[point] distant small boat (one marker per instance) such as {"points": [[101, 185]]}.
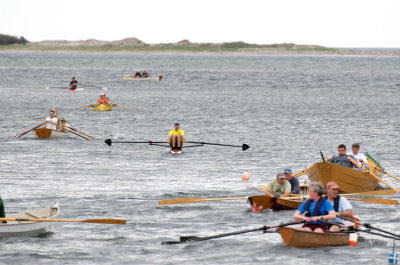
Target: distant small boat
{"points": [[296, 237], [75, 90], [103, 107], [132, 77], [49, 133], [31, 228]]}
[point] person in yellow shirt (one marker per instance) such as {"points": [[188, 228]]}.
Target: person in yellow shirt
{"points": [[176, 137]]}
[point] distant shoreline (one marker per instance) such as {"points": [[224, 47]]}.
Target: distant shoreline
{"points": [[341, 52]]}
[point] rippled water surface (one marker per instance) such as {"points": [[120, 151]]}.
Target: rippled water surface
{"points": [[287, 108]]}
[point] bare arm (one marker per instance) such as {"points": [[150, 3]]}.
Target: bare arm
{"points": [[268, 193], [169, 139], [348, 213], [330, 216], [298, 216]]}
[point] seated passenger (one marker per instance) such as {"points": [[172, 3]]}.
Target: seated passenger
{"points": [[294, 182], [342, 158], [278, 187], [138, 74], [145, 74], [360, 157]]}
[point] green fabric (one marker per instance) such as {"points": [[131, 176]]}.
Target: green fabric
{"points": [[2, 213], [370, 157]]}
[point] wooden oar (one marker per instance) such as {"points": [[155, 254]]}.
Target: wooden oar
{"points": [[23, 133], [371, 193], [381, 170], [98, 221], [374, 200], [76, 130], [193, 200], [375, 176], [109, 142], [243, 146], [300, 173], [78, 134], [187, 239], [82, 108], [120, 106]]}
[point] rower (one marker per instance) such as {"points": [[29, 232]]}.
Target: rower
{"points": [[102, 100], [176, 137], [74, 84], [342, 158], [316, 208], [145, 74], [340, 204], [52, 121], [360, 157], [2, 212], [294, 182], [278, 187], [138, 74]]}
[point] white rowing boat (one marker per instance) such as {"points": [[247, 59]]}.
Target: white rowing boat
{"points": [[176, 151], [22, 228], [132, 77]]}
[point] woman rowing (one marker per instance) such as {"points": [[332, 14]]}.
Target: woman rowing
{"points": [[316, 209]]}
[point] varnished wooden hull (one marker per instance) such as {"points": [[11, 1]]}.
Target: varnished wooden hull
{"points": [[349, 180], [48, 133], [295, 237], [103, 107], [132, 77], [274, 203]]}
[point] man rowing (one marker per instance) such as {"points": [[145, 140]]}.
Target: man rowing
{"points": [[340, 204], [52, 121], [342, 158], [176, 137], [294, 182], [278, 187], [315, 209], [102, 100], [74, 84], [360, 157], [145, 74]]}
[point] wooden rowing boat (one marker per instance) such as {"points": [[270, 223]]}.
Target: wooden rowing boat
{"points": [[132, 77], [49, 133], [19, 228], [102, 107], [274, 203], [296, 237], [349, 180]]}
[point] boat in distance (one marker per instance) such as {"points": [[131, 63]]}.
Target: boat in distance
{"points": [[49, 133], [102, 107], [132, 77], [296, 237], [31, 228]]}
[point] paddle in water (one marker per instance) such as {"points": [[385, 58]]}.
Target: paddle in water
{"points": [[187, 239]]}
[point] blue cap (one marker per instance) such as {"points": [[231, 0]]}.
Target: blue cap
{"points": [[176, 123], [287, 170]]}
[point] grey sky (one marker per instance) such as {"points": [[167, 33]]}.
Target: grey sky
{"points": [[334, 23]]}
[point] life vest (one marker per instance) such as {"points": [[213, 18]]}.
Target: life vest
{"points": [[336, 203], [102, 101], [316, 209]]}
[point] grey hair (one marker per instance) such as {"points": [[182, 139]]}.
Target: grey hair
{"points": [[317, 187]]}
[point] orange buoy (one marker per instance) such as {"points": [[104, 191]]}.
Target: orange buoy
{"points": [[246, 176]]}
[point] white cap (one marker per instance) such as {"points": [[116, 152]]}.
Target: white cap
{"points": [[102, 94]]}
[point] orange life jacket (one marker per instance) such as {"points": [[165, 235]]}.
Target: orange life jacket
{"points": [[102, 101]]}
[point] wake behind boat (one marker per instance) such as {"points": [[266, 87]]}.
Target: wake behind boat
{"points": [[23, 228]]}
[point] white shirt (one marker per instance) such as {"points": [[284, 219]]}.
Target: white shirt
{"points": [[359, 156], [52, 126], [344, 205]]}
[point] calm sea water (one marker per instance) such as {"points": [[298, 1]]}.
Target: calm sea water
{"points": [[287, 108]]}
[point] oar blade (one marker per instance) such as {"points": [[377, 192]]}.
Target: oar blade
{"points": [[377, 201], [108, 142], [245, 147], [106, 221], [372, 193]]}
